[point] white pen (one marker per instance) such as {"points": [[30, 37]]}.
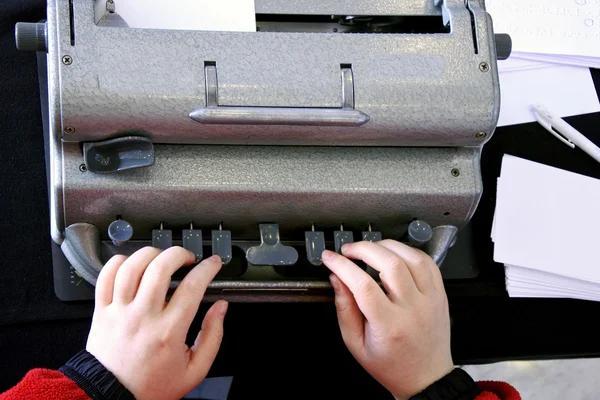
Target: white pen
{"points": [[564, 132]]}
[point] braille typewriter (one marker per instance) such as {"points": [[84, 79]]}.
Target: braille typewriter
{"points": [[333, 122]]}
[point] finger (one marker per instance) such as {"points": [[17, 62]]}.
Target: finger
{"points": [[420, 265], [351, 320], [106, 280], [392, 269], [207, 344], [438, 280], [155, 282], [187, 297], [130, 274], [368, 295]]}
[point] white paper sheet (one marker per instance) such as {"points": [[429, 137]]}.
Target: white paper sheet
{"points": [[565, 90], [546, 220], [518, 293], [578, 61], [549, 26], [206, 15], [519, 276], [521, 64]]}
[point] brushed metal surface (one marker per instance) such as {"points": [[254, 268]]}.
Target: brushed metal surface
{"points": [[57, 218], [295, 186], [418, 89]]}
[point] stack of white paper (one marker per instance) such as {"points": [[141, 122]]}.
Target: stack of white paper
{"points": [[545, 231], [554, 44], [553, 30]]}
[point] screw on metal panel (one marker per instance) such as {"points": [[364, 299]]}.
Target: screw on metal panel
{"points": [[335, 29], [484, 67], [69, 129], [480, 135], [455, 172], [82, 168], [67, 60]]}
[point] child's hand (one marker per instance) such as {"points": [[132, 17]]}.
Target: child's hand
{"points": [[401, 338], [140, 338]]}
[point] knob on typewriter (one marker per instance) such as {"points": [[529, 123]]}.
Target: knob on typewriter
{"points": [[271, 251], [315, 246], [419, 232], [120, 231], [31, 36]]}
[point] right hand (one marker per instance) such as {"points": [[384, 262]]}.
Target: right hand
{"points": [[401, 338]]}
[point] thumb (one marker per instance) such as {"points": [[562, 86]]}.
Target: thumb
{"points": [[206, 346], [351, 320]]}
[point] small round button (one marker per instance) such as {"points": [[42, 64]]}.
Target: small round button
{"points": [[120, 232], [419, 233]]}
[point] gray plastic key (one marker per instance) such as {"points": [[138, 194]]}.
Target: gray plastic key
{"points": [[340, 238], [315, 246], [369, 236], [192, 241], [162, 238], [271, 251], [120, 231], [221, 245]]}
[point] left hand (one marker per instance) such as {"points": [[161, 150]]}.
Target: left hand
{"points": [[140, 338]]}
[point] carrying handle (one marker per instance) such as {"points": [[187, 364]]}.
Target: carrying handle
{"points": [[213, 113]]}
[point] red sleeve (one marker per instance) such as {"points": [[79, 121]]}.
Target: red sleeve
{"points": [[493, 390], [45, 384]]}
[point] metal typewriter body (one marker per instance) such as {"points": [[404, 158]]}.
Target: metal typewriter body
{"points": [[268, 135]]}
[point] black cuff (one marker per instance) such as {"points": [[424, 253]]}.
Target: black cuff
{"points": [[95, 380], [457, 385]]}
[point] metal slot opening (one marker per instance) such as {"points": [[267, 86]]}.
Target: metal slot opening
{"points": [[351, 23], [72, 22], [473, 27]]}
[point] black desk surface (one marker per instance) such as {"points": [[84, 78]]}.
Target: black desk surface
{"points": [[487, 325]]}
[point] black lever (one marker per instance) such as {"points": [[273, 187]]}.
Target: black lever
{"points": [[118, 154]]}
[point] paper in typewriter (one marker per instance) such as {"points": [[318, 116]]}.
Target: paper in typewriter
{"points": [[205, 15]]}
